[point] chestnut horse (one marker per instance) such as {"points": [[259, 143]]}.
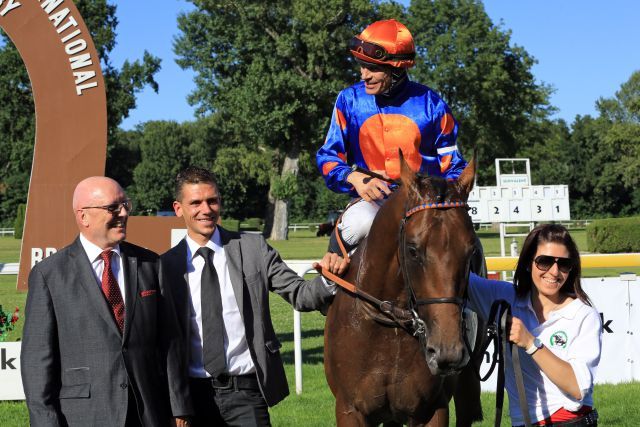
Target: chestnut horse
{"points": [[399, 362]]}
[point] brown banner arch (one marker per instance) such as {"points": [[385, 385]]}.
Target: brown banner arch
{"points": [[71, 125]]}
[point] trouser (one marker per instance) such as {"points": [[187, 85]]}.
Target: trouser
{"points": [[355, 224], [229, 401], [587, 420]]}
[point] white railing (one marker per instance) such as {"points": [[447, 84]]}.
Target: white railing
{"points": [[304, 226], [7, 232], [9, 268]]}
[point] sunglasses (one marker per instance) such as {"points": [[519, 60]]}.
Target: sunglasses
{"points": [[375, 51], [545, 262], [113, 208]]}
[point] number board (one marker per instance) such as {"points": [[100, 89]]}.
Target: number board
{"points": [[519, 204]]}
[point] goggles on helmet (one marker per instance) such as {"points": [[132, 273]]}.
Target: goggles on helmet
{"points": [[376, 51]]}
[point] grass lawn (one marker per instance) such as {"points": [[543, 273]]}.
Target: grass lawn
{"points": [[315, 406]]}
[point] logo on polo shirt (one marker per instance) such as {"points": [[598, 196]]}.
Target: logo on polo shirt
{"points": [[558, 339]]}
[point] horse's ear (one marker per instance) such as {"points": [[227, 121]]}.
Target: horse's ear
{"points": [[468, 176], [407, 175]]}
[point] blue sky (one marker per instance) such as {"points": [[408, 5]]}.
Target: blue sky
{"points": [[585, 49]]}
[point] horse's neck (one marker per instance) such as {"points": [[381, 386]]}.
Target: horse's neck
{"points": [[378, 268]]}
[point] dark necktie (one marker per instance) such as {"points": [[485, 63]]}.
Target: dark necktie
{"points": [[112, 291], [212, 323]]}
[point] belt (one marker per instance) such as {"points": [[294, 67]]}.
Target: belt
{"points": [[587, 420], [232, 382]]}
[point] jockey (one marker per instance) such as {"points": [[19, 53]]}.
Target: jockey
{"points": [[377, 116]]}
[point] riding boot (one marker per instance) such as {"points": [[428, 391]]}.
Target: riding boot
{"points": [[334, 246], [478, 263]]}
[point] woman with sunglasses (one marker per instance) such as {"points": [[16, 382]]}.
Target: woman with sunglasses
{"points": [[555, 325]]}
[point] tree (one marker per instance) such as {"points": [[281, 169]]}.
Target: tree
{"points": [[272, 71], [167, 147], [243, 175], [17, 130], [486, 81]]}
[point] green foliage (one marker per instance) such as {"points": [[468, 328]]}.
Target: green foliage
{"points": [[17, 121], [284, 187], [253, 224], [163, 155], [486, 80], [18, 224], [243, 178], [614, 235], [231, 224], [271, 70], [8, 321]]}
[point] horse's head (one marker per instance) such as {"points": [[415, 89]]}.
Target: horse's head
{"points": [[435, 248]]}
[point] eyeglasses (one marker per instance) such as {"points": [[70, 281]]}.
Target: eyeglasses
{"points": [[113, 208], [545, 262], [375, 51]]}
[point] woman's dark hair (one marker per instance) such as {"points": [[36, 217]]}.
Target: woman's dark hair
{"points": [[549, 233]]}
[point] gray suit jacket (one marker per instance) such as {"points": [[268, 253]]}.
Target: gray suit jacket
{"points": [[76, 367], [255, 269]]}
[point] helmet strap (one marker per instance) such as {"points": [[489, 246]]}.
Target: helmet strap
{"points": [[398, 77]]}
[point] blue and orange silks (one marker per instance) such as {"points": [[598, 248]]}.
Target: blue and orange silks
{"points": [[367, 130]]}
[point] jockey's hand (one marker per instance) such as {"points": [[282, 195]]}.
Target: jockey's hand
{"points": [[181, 422], [519, 334], [334, 263], [367, 187]]}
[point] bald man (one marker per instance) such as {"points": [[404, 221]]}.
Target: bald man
{"points": [[99, 345]]}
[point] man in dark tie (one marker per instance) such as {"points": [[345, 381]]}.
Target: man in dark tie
{"points": [[100, 341], [220, 282]]}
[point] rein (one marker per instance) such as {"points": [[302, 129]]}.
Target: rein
{"points": [[498, 332]]}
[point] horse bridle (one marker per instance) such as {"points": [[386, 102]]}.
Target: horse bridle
{"points": [[407, 319], [413, 302]]}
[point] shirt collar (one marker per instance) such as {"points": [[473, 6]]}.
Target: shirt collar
{"points": [[569, 311], [93, 251], [214, 243]]}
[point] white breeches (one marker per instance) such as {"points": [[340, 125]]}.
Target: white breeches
{"points": [[356, 221]]}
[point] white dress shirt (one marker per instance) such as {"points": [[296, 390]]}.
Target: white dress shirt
{"points": [[93, 253], [236, 349]]}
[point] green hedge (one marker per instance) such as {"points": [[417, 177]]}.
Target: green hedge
{"points": [[614, 235], [231, 224]]}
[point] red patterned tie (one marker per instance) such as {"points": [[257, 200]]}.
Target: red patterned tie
{"points": [[112, 291]]}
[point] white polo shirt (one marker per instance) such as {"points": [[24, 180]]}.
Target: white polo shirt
{"points": [[573, 333]]}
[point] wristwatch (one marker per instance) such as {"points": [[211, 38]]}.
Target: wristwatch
{"points": [[537, 345]]}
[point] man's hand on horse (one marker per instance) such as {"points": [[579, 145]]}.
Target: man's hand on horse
{"points": [[334, 263], [369, 188]]}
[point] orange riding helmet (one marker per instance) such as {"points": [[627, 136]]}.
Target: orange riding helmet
{"points": [[385, 42]]}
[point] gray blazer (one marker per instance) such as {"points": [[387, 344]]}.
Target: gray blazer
{"points": [[255, 269], [76, 367]]}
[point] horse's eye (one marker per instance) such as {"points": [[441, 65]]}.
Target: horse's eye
{"points": [[413, 252]]}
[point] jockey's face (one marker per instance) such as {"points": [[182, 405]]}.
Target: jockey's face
{"points": [[377, 78]]}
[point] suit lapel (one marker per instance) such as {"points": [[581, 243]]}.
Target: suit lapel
{"points": [[233, 254], [131, 288], [81, 266]]}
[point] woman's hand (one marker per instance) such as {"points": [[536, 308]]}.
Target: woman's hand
{"points": [[519, 334]]}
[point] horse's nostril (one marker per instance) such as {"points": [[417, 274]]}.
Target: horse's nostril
{"points": [[431, 351]]}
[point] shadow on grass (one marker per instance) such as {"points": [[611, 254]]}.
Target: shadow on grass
{"points": [[313, 333], [310, 356]]}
